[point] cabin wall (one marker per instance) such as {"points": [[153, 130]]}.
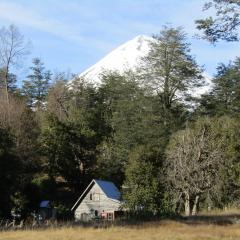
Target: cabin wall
{"points": [[94, 203]]}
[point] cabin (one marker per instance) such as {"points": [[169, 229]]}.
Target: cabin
{"points": [[101, 199]]}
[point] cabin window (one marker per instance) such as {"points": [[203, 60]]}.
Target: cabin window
{"points": [[110, 216], [90, 196], [96, 197]]}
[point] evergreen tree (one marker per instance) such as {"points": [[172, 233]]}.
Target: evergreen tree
{"points": [[37, 85]]}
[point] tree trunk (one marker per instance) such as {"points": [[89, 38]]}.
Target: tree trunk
{"points": [[7, 93], [194, 210], [187, 204]]}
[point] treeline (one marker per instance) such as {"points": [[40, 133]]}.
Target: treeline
{"points": [[168, 151]]}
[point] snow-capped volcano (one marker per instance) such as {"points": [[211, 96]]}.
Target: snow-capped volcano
{"points": [[126, 56]]}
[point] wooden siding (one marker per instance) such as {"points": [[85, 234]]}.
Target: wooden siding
{"points": [[100, 202]]}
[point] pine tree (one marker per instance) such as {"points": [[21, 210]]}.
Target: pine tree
{"points": [[35, 88]]}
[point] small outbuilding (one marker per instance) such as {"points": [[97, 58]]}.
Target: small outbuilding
{"points": [[46, 210], [101, 199]]}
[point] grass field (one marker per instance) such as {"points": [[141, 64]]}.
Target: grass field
{"points": [[167, 230]]}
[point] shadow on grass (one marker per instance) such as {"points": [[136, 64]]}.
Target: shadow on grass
{"points": [[216, 219], [201, 219], [221, 219]]}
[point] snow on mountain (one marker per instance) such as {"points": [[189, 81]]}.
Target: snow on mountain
{"points": [[127, 56]]}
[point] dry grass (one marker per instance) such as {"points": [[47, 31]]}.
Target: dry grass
{"points": [[220, 212], [167, 230]]}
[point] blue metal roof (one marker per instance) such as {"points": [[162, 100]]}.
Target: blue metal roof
{"points": [[109, 189], [45, 204]]}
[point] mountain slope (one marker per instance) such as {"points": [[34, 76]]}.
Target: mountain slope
{"points": [[127, 56]]}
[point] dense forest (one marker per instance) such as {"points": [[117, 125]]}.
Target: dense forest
{"points": [[168, 151]]}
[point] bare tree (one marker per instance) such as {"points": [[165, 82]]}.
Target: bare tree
{"points": [[58, 100], [194, 158], [10, 113], [12, 49], [61, 93]]}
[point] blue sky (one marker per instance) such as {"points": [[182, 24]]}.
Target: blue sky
{"points": [[72, 35]]}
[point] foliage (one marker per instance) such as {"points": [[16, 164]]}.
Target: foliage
{"points": [[225, 25], [11, 83], [169, 70], [69, 150], [135, 129], [224, 97], [12, 50], [36, 87], [63, 212], [9, 172], [198, 156], [121, 105], [144, 190]]}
